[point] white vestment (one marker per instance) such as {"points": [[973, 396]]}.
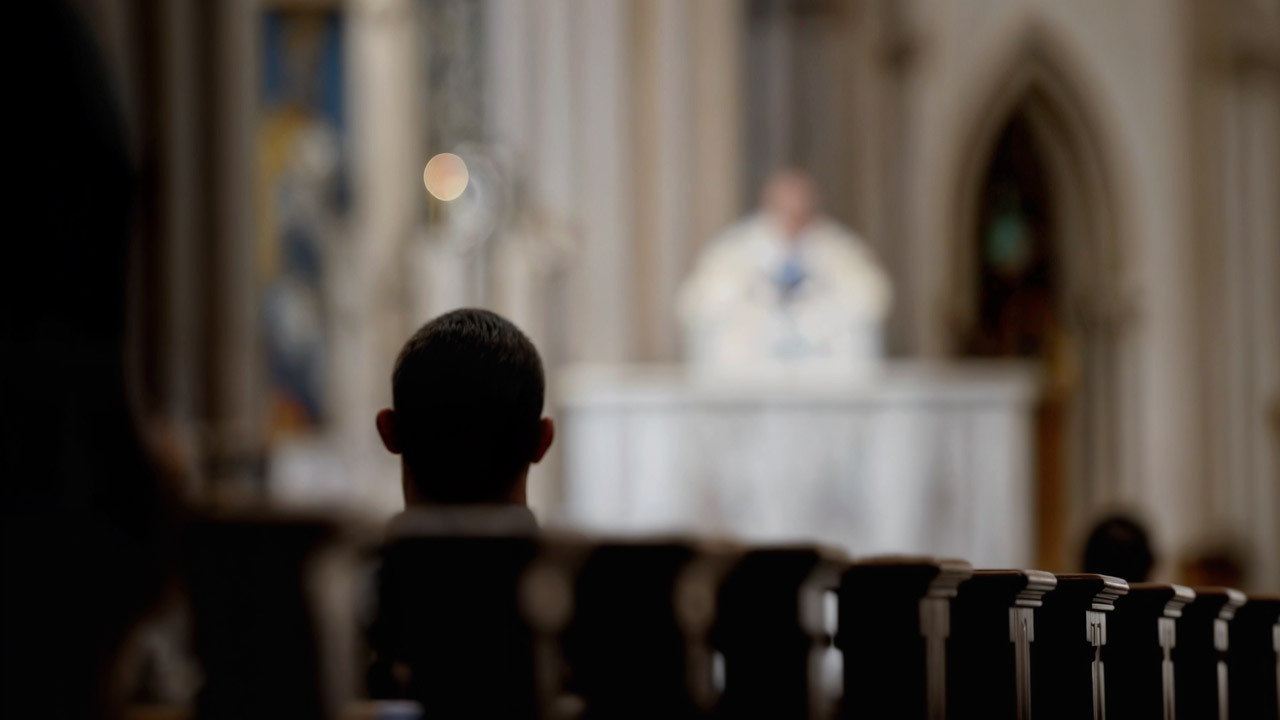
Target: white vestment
{"points": [[757, 303]]}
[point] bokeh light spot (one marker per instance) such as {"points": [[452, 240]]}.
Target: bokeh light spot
{"points": [[445, 176]]}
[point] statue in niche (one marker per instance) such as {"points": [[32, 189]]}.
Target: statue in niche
{"points": [[786, 289]]}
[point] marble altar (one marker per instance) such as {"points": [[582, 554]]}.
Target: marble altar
{"points": [[921, 458]]}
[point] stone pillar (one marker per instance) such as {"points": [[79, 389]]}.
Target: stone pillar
{"points": [[887, 92], [1239, 94], [603, 295], [533, 52], [236, 372], [372, 316], [718, 165], [620, 122], [1251, 264]]}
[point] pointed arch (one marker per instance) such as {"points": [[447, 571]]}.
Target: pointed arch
{"points": [[1036, 81], [1039, 83]]}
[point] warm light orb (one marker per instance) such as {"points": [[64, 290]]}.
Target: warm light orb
{"points": [[445, 176]]}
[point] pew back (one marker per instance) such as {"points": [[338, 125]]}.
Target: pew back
{"points": [[1068, 679], [993, 626], [895, 618], [1200, 657]]}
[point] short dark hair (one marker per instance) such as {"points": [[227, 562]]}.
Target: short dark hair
{"points": [[467, 392], [1119, 546]]}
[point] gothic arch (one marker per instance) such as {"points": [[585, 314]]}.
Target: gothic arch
{"points": [[1036, 82], [1039, 82]]}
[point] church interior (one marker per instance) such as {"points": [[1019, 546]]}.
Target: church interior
{"points": [[888, 343]]}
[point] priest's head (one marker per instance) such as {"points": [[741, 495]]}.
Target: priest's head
{"points": [[790, 200], [466, 415]]}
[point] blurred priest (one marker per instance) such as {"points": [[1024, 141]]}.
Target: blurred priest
{"points": [[786, 290]]}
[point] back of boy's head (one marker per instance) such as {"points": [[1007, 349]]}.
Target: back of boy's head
{"points": [[467, 393]]}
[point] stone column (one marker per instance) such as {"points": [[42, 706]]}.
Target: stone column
{"points": [[372, 316], [603, 267], [236, 374], [1251, 309], [1238, 107]]}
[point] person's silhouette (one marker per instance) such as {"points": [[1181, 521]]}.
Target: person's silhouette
{"points": [[87, 525], [466, 413], [1119, 546], [467, 420]]}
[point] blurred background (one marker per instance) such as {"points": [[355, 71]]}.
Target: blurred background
{"points": [[1086, 194]]}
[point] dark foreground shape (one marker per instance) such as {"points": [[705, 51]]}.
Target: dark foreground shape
{"points": [[770, 632], [1067, 670], [1200, 658], [989, 653], [895, 618], [450, 616], [1139, 652], [626, 646], [1251, 659], [256, 620]]}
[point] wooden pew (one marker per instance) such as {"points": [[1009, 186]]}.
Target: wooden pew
{"points": [[548, 604], [895, 616], [1200, 657], [1067, 670], [770, 632], [258, 624], [989, 652], [628, 645], [450, 632], [1252, 666], [1139, 651]]}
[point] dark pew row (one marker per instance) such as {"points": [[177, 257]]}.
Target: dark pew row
{"points": [[514, 624]]}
